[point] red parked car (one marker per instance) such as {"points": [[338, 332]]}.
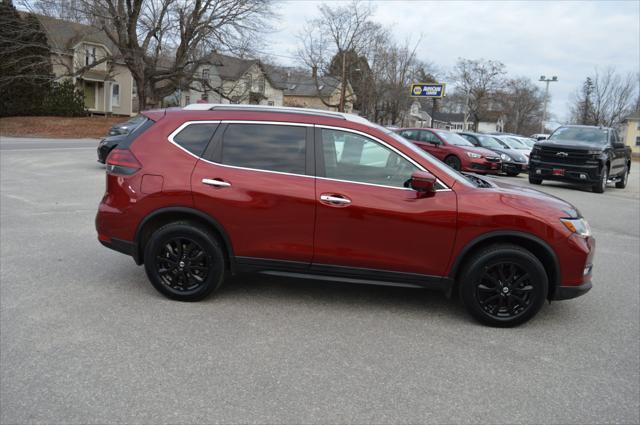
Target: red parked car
{"points": [[199, 193], [454, 150]]}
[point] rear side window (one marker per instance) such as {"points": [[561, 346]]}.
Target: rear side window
{"points": [[265, 147], [195, 137]]}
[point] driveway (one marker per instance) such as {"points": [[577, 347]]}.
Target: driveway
{"points": [[84, 338]]}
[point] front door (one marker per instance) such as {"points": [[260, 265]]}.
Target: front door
{"points": [[367, 218], [90, 94], [257, 181]]}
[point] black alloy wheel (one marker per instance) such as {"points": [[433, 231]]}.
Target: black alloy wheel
{"points": [[453, 162], [624, 179], [184, 261], [182, 264], [504, 290], [503, 285]]}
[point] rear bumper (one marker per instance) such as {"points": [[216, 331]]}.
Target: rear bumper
{"points": [[124, 247], [569, 292]]}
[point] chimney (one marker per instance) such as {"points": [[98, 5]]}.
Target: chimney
{"points": [[314, 71]]}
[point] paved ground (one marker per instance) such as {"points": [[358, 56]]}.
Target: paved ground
{"points": [[85, 339]]}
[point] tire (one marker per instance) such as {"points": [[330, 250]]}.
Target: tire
{"points": [[512, 173], [184, 262], [601, 186], [625, 177], [453, 162], [534, 180], [492, 302]]}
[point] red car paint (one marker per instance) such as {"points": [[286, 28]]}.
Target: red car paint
{"points": [[488, 163], [270, 215]]}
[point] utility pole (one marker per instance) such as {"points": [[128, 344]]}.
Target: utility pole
{"points": [[546, 98]]}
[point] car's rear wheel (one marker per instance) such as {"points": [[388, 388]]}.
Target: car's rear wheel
{"points": [[623, 180], [534, 180], [503, 285], [601, 186], [453, 162], [184, 261]]}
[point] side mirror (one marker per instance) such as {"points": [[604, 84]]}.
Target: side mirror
{"points": [[541, 138], [424, 183]]}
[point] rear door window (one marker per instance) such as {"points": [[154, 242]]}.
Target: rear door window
{"points": [[195, 137], [269, 147]]}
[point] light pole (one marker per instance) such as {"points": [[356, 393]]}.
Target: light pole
{"points": [[546, 98]]}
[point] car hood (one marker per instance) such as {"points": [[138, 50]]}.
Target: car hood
{"points": [[513, 153], [531, 200], [571, 144]]}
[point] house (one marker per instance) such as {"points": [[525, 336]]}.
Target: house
{"points": [[88, 57], [419, 117], [631, 132], [304, 90], [227, 79]]}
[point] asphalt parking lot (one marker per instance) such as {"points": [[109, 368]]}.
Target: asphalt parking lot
{"points": [[84, 338]]}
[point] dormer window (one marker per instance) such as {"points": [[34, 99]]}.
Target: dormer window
{"points": [[89, 56], [205, 74]]}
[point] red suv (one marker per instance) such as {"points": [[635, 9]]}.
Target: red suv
{"points": [[454, 150], [198, 193]]}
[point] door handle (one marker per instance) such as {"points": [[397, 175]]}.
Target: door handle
{"points": [[216, 182], [335, 199]]}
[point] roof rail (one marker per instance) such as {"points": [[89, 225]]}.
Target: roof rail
{"points": [[277, 109]]}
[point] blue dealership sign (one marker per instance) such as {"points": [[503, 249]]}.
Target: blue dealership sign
{"points": [[435, 90]]}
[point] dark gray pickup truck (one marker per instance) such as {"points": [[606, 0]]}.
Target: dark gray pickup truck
{"points": [[581, 154]]}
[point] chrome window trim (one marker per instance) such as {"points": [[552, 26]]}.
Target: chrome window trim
{"points": [[187, 123]]}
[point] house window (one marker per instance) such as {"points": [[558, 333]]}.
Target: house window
{"points": [[89, 56], [205, 74], [270, 103], [261, 84], [115, 94], [637, 140], [134, 88], [249, 82], [187, 100]]}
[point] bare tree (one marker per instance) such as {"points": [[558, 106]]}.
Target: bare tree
{"points": [[521, 101], [336, 32], [479, 79], [163, 42], [613, 96]]}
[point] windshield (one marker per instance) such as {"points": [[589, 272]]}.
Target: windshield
{"points": [[430, 158], [513, 143], [453, 138], [528, 142], [490, 142], [582, 134]]}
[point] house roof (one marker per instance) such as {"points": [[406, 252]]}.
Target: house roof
{"points": [[64, 35], [448, 117], [229, 67], [296, 83], [633, 117]]}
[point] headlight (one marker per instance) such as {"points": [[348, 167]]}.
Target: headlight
{"points": [[505, 157], [473, 155], [577, 225]]}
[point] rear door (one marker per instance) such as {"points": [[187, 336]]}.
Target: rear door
{"points": [[256, 179], [367, 218]]}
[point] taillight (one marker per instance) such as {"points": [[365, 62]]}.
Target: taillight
{"points": [[122, 161]]}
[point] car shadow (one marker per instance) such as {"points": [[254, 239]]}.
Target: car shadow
{"points": [[339, 295]]}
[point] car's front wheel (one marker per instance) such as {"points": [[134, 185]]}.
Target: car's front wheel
{"points": [[534, 180], [184, 261], [453, 162], [503, 285], [601, 186]]}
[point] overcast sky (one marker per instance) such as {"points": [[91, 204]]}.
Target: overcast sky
{"points": [[563, 38]]}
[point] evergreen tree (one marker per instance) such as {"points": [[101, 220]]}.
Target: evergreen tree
{"points": [[25, 65]]}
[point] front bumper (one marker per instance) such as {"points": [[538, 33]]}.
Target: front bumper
{"points": [[569, 292], [585, 174], [483, 166], [514, 167]]}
